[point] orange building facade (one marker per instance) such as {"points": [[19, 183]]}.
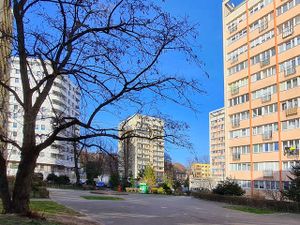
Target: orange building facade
{"points": [[261, 40]]}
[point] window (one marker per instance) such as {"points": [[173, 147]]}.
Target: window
{"points": [[262, 39], [238, 67], [292, 103], [266, 147], [289, 44], [15, 125], [291, 63], [240, 166], [264, 92], [17, 80], [288, 24], [237, 36], [272, 127], [263, 56], [261, 166], [287, 6], [239, 100], [259, 6], [43, 127], [263, 74], [290, 84], [239, 133], [235, 54], [15, 134], [291, 124]]}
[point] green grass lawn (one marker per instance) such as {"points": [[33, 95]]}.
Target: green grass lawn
{"points": [[249, 209], [49, 207], [44, 208], [102, 198]]}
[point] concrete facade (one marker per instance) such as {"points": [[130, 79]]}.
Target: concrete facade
{"points": [[140, 149], [63, 100], [261, 40], [217, 144]]}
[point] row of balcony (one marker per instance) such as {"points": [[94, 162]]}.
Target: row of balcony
{"points": [[287, 32], [289, 151], [288, 113]]}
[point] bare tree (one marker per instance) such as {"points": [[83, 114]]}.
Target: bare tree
{"points": [[111, 49]]}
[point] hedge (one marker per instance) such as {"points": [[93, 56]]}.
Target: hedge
{"points": [[281, 206]]}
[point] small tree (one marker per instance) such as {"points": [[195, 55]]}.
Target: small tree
{"points": [[228, 187], [149, 176], [293, 193]]}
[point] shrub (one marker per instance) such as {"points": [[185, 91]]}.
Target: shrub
{"points": [[293, 192], [51, 178], [114, 180], [153, 190], [167, 189], [63, 180], [228, 187], [160, 190], [281, 206]]}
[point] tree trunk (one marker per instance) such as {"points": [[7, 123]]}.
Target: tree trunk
{"points": [[4, 189], [76, 169], [22, 187]]}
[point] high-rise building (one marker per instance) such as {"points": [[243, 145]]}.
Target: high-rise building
{"points": [[5, 48], [262, 91], [217, 144], [63, 100], [144, 145]]}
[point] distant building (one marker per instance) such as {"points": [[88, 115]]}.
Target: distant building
{"points": [[217, 143], [180, 172], [5, 31], [139, 150], [63, 100], [200, 170], [200, 177]]}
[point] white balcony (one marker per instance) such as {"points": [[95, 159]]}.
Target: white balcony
{"points": [[288, 31]]}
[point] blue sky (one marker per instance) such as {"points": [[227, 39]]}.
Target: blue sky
{"points": [[209, 18]]}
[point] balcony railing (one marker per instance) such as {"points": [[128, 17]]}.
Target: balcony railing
{"points": [[232, 29], [234, 90], [268, 173], [291, 111], [267, 135], [289, 71], [263, 26], [288, 31], [264, 62], [266, 98]]}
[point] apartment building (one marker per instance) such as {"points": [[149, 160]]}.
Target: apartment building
{"points": [[217, 144], [262, 91], [5, 28], [200, 170], [63, 100], [143, 147]]}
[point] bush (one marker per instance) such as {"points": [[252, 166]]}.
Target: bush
{"points": [[51, 178], [63, 180], [167, 189], [154, 190], [293, 192], [228, 187], [161, 190], [280, 206], [60, 180]]}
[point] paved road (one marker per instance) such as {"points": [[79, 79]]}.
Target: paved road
{"points": [[164, 210]]}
